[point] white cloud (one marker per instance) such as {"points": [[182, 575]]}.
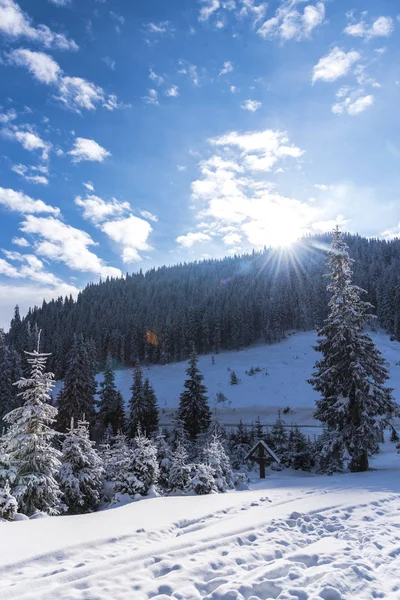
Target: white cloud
{"points": [[85, 149], [335, 64], [190, 70], [233, 200], [173, 91], [109, 62], [60, 2], [96, 209], [161, 28], [131, 234], [381, 27], [233, 89], [7, 117], [23, 170], [63, 243], [148, 215], [188, 240], [261, 150], [181, 167], [20, 202], [15, 24], [29, 141], [321, 186], [151, 98], [329, 224], [41, 65], [251, 105], [353, 103], [27, 295], [156, 78], [75, 93], [231, 239], [20, 241], [288, 23], [89, 186], [208, 8], [30, 267], [227, 67]]}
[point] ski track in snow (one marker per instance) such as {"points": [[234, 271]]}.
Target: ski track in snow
{"points": [[340, 549]]}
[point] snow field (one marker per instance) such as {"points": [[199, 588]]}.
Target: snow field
{"points": [[289, 364], [292, 537]]}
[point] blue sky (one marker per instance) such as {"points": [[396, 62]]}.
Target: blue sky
{"points": [[137, 134]]}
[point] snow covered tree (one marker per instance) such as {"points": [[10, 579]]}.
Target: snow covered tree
{"points": [[240, 445], [180, 471], [194, 410], [81, 473], [144, 463], [201, 479], [77, 395], [111, 405], [164, 457], [29, 441], [355, 406], [8, 503], [215, 456]]}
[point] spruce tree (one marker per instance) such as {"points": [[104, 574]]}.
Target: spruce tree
{"points": [[29, 441], [150, 424], [355, 405], [10, 371], [111, 404], [81, 473], [137, 405], [8, 503], [215, 456], [194, 410], [77, 397]]}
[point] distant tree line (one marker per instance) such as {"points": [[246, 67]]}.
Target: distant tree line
{"points": [[156, 316]]}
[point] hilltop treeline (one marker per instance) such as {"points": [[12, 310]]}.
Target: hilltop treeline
{"points": [[217, 304]]}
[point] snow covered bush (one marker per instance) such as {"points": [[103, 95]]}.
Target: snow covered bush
{"points": [[8, 504], [179, 473], [81, 473], [164, 458], [144, 463], [241, 481], [201, 479], [215, 456]]}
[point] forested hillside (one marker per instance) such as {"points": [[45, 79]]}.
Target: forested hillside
{"points": [[217, 304]]}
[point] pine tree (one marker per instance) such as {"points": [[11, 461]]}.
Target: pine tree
{"points": [[150, 424], [111, 405], [10, 371], [81, 473], [77, 395], [180, 471], [300, 450], [355, 406], [137, 405], [234, 379], [29, 441], [144, 463], [279, 439], [194, 410]]}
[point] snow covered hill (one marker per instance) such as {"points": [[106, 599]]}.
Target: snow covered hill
{"points": [[281, 383], [295, 536]]}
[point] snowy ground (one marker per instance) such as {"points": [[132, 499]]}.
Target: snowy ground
{"points": [[294, 536], [289, 364]]}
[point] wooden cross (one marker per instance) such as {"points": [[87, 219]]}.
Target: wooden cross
{"points": [[262, 454]]}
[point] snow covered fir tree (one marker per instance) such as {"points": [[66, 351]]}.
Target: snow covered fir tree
{"points": [[194, 411], [355, 406], [28, 443]]}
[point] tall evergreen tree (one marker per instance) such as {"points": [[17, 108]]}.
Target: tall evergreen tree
{"points": [[137, 406], [150, 424], [29, 441], [77, 395], [355, 405], [111, 404], [194, 410]]}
